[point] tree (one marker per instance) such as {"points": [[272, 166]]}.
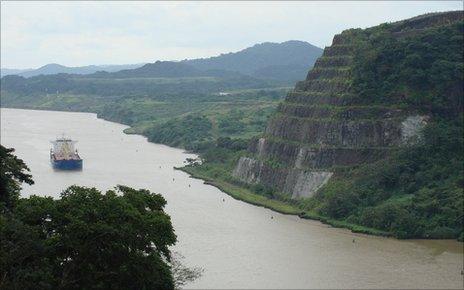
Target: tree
{"points": [[90, 240], [13, 172], [87, 239]]}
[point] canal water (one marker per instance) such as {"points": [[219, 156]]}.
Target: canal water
{"points": [[238, 245]]}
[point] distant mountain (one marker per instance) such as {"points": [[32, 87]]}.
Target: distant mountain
{"points": [[167, 69], [159, 69], [10, 71], [54, 68], [288, 60]]}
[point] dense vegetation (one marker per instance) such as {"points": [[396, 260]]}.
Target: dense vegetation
{"points": [[415, 192], [84, 240], [108, 85], [418, 190], [423, 71], [181, 132]]}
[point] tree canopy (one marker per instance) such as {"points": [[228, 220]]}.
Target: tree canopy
{"points": [[13, 172], [86, 239]]}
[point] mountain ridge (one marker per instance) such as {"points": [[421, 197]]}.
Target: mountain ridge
{"points": [[288, 61], [294, 54]]}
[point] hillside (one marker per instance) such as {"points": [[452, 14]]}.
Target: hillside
{"points": [[373, 138], [288, 60], [167, 69]]}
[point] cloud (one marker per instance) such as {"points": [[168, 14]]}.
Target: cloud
{"points": [[81, 33]]}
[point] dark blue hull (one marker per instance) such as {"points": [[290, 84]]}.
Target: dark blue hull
{"points": [[67, 164]]}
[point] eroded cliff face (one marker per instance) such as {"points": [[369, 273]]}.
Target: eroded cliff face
{"points": [[323, 124]]}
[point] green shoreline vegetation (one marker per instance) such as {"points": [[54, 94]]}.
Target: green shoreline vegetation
{"points": [[246, 194]]}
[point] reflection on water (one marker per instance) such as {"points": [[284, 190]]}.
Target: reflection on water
{"points": [[237, 244]]}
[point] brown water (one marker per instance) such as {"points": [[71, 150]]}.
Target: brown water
{"points": [[237, 244]]}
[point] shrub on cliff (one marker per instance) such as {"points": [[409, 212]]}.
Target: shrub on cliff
{"points": [[423, 71]]}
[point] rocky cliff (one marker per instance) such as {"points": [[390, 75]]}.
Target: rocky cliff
{"points": [[328, 122]]}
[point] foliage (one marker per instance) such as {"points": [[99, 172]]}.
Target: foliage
{"points": [[232, 144], [183, 132], [416, 192], [86, 239], [423, 70], [13, 172], [231, 123], [140, 86]]}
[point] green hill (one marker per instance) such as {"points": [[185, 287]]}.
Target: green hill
{"points": [[373, 138], [288, 60]]}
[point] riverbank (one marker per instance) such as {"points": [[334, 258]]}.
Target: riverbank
{"points": [[218, 175], [248, 196]]}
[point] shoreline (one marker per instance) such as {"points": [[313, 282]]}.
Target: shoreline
{"points": [[248, 196], [245, 195]]}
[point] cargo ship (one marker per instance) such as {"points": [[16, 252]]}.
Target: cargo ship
{"points": [[63, 156]]}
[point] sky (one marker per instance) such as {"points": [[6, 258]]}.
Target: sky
{"points": [[76, 33]]}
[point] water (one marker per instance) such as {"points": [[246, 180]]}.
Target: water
{"points": [[237, 244]]}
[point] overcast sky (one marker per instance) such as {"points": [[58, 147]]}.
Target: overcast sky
{"points": [[83, 33]]}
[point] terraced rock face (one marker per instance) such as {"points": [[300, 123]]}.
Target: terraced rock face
{"points": [[324, 124]]}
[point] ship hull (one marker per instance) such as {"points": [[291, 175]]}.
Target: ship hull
{"points": [[67, 164]]}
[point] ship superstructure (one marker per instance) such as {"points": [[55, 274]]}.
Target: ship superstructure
{"points": [[64, 156]]}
